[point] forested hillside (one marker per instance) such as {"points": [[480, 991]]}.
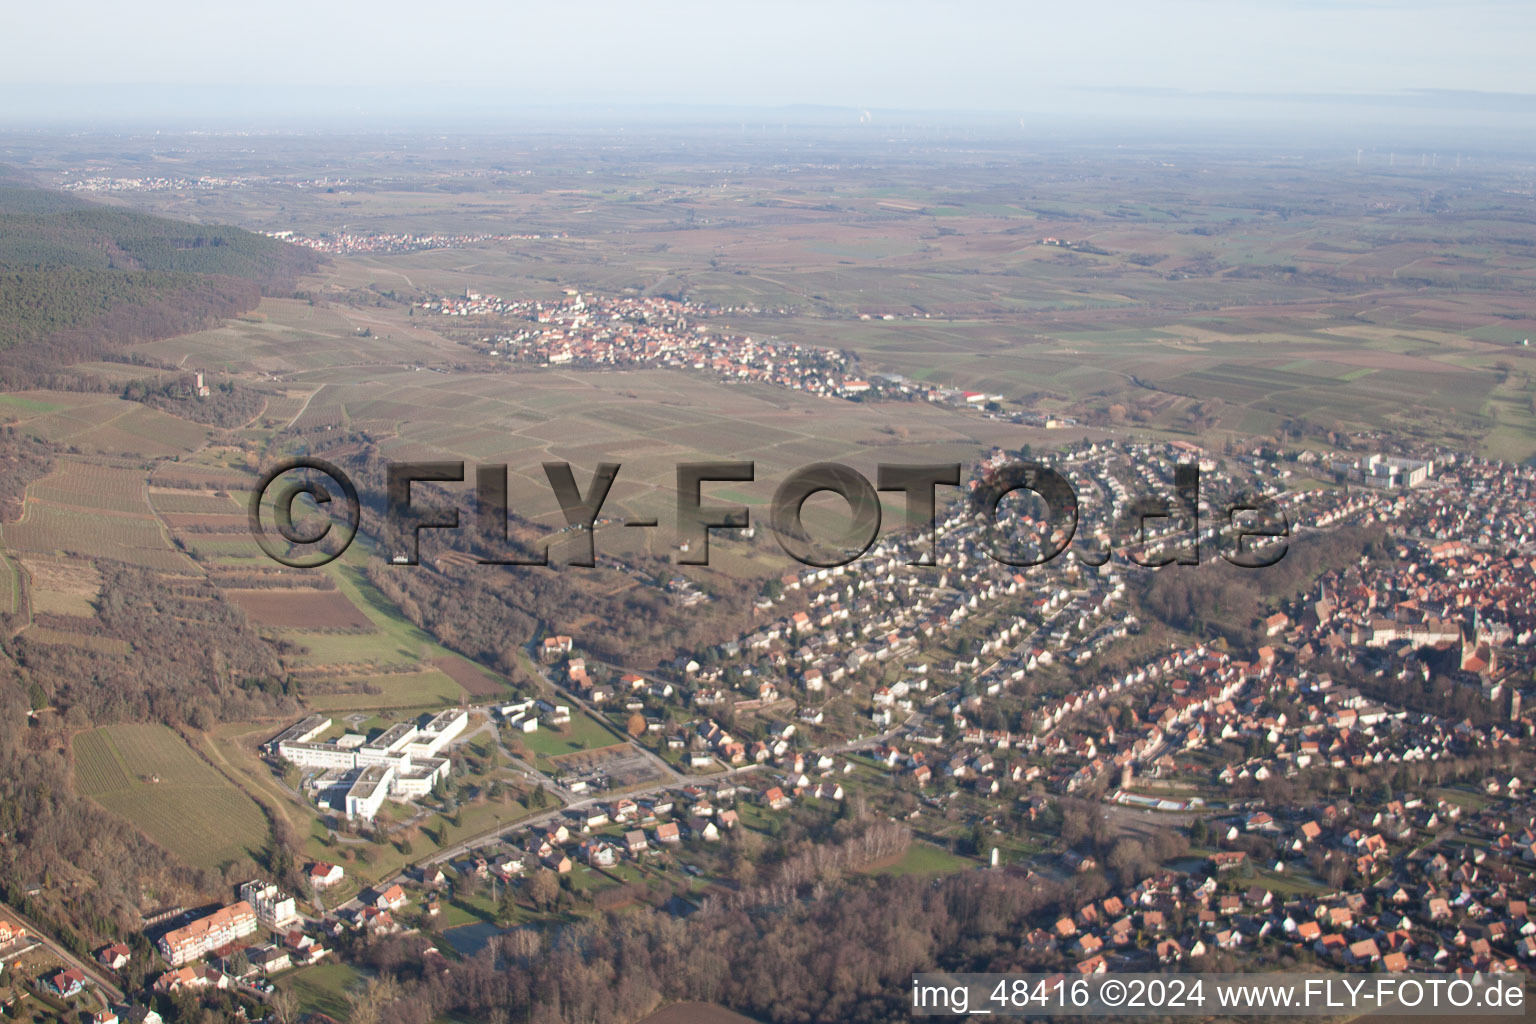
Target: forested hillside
{"points": [[78, 279]]}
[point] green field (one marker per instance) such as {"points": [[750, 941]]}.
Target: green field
{"points": [[924, 859], [103, 488], [25, 405], [353, 649], [194, 502], [397, 690], [584, 733], [191, 810], [47, 528], [323, 987]]}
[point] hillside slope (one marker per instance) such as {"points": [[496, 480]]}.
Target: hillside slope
{"points": [[78, 280]]}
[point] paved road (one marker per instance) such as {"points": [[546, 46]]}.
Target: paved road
{"points": [[671, 778], [90, 969], [666, 770], [464, 846]]}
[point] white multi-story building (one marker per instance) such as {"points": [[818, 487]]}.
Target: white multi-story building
{"points": [[1386, 472], [438, 733], [367, 793], [406, 758], [299, 732], [274, 908]]}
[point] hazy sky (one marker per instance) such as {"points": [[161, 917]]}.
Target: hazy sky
{"points": [[1006, 56]]}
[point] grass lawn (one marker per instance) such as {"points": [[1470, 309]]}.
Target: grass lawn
{"points": [[586, 879], [478, 818], [397, 690], [10, 585], [323, 988], [925, 859], [396, 639], [625, 871], [1287, 884], [480, 909], [583, 733], [452, 915], [1466, 799]]}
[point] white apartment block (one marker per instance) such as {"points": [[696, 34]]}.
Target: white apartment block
{"points": [[1386, 472], [274, 908]]}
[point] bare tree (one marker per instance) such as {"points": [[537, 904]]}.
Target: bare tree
{"points": [[369, 1005], [543, 888], [285, 1006]]}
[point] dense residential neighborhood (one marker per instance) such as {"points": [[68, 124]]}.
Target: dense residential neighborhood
{"points": [[1334, 778]]}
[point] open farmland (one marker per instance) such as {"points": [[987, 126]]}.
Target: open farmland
{"points": [[173, 501], [326, 649], [103, 488], [1195, 308], [93, 511], [395, 690], [49, 529], [224, 550], [82, 638], [306, 609], [909, 299], [291, 334], [10, 585], [99, 424], [476, 681], [230, 480], [148, 775], [62, 586]]}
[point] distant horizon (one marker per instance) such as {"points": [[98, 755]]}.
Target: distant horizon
{"points": [[1244, 60], [1409, 116]]}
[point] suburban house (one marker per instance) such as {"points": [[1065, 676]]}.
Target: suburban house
{"points": [[66, 983], [114, 957], [10, 932], [392, 898], [192, 977], [323, 875]]}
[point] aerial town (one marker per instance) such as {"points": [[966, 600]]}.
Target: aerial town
{"points": [[1076, 528], [1318, 801], [346, 242], [592, 332]]}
